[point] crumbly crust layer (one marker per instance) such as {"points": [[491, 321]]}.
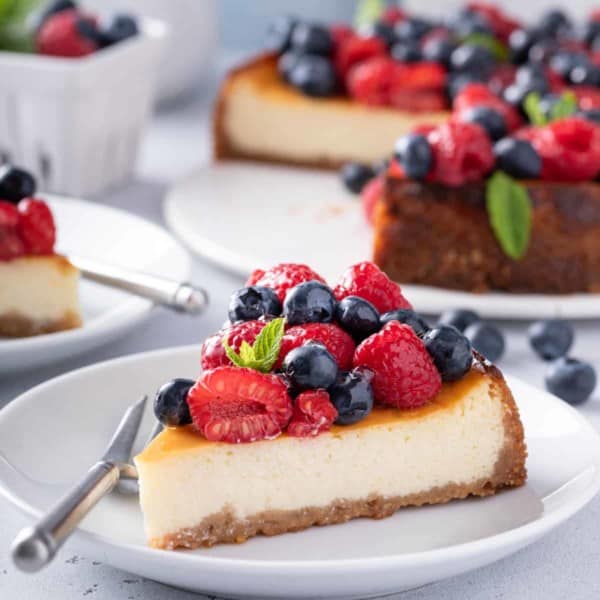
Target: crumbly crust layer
{"points": [[434, 235], [15, 325], [226, 527]]}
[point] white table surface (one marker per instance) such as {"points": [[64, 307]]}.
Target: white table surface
{"points": [[566, 564]]}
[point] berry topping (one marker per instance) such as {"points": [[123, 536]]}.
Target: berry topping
{"points": [[309, 302], [9, 215], [336, 340], [36, 227], [571, 380], [409, 51], [473, 59], [59, 35], [352, 396], [358, 317], [313, 414], [451, 351], [354, 50], [460, 318], [313, 76], [309, 38], [370, 81], [279, 34], [412, 29], [283, 277], [404, 373], [551, 338], [486, 339], [170, 403], [517, 158], [310, 367], [370, 196], [251, 303], [438, 50], [413, 152], [478, 94], [237, 405], [121, 27], [11, 245], [369, 282], [356, 175], [491, 120], [15, 184], [409, 317]]}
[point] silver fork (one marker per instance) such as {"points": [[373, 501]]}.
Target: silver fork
{"points": [[34, 547]]}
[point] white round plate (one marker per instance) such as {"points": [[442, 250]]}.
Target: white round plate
{"points": [[358, 559], [243, 216], [109, 235]]}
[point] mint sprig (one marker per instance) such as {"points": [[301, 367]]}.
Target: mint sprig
{"points": [[368, 12], [564, 107], [494, 45], [263, 353], [509, 213]]}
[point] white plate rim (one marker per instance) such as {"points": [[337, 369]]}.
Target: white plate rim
{"points": [[519, 536]]}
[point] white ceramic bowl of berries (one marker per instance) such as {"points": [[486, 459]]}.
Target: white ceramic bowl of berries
{"points": [[73, 107]]}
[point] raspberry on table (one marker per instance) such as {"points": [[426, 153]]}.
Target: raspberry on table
{"points": [[238, 405], [36, 226], [366, 280], [283, 277], [313, 414], [404, 373]]}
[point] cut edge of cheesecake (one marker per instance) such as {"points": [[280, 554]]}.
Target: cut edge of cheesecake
{"points": [[225, 526], [337, 118]]}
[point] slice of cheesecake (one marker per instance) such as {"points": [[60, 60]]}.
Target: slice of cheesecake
{"points": [[260, 117], [38, 294], [467, 441]]}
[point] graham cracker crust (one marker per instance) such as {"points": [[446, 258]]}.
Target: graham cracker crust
{"points": [[15, 325], [509, 471]]}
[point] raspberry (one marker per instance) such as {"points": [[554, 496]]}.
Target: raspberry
{"points": [[339, 343], [9, 215], [422, 76], [238, 405], [478, 94], [370, 82], [60, 36], [340, 33], [36, 227], [283, 277], [370, 195], [313, 414], [368, 281], [404, 373], [588, 97], [354, 50], [11, 245], [501, 24], [393, 15], [462, 152], [213, 354], [418, 101]]}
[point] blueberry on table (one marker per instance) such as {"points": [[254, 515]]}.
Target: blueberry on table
{"points": [[313, 76], [352, 396], [356, 175], [310, 366], [551, 338], [571, 380], [489, 119], [16, 184], [279, 34], [309, 38], [487, 339], [251, 303], [170, 403], [450, 350], [309, 302], [358, 317], [518, 158], [460, 318], [409, 317], [413, 152]]}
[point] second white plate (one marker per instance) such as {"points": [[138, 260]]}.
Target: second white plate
{"points": [[244, 216]]}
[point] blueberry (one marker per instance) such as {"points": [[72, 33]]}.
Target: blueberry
{"points": [[592, 114], [384, 31], [518, 158], [472, 59], [412, 29], [356, 175], [590, 31], [515, 94], [408, 51], [250, 303], [121, 27], [457, 81], [309, 38], [487, 339], [438, 50], [466, 22], [542, 51], [352, 395], [279, 34], [585, 75], [520, 42], [488, 118], [532, 76], [286, 62], [309, 302], [170, 403], [358, 317], [551, 338], [88, 29], [16, 184], [571, 380], [554, 22], [563, 62], [414, 154], [451, 351], [310, 367], [409, 317], [314, 76], [460, 318]]}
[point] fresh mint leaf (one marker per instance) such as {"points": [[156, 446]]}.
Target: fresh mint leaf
{"points": [[533, 109], [495, 46], [509, 213], [367, 12], [564, 107]]}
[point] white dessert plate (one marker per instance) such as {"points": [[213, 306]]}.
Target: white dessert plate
{"points": [[243, 216], [115, 237], [359, 559]]}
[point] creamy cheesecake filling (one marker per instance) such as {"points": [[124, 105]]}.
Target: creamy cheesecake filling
{"points": [[266, 118], [38, 294], [458, 442]]}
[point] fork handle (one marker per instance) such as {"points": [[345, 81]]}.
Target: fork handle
{"points": [[34, 547]]}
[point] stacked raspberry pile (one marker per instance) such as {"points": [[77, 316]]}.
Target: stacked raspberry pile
{"points": [[299, 356]]}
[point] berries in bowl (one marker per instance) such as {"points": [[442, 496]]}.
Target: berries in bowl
{"points": [[324, 418]]}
